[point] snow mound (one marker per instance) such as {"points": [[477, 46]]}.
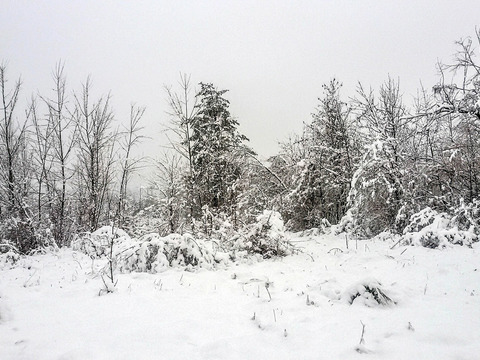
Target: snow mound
{"points": [[368, 292]]}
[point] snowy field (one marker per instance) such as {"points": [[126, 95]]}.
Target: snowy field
{"points": [[297, 307]]}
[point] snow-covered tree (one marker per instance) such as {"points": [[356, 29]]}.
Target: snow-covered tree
{"points": [[218, 152], [458, 104], [16, 175], [320, 164], [171, 195], [377, 192]]}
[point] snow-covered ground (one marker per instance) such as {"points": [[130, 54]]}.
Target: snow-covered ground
{"points": [[297, 307]]}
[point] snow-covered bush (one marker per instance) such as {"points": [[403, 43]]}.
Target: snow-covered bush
{"points": [[467, 216], [8, 257], [150, 253], [346, 223], [97, 243], [213, 225], [265, 237], [154, 253], [20, 234], [148, 220], [421, 219], [369, 292], [431, 229], [45, 239], [324, 228]]}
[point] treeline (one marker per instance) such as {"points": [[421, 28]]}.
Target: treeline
{"points": [[64, 164], [366, 164]]}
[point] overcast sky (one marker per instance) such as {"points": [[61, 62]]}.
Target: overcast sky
{"points": [[273, 56]]}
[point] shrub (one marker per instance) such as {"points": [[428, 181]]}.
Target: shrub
{"points": [[467, 216], [265, 237], [154, 253], [21, 235], [430, 229], [97, 243], [370, 292]]}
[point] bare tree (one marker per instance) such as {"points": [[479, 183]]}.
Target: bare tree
{"points": [[183, 109], [96, 140], [129, 165], [56, 138], [42, 157], [12, 139], [458, 101], [15, 171]]}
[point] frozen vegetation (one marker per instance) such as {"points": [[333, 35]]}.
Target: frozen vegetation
{"points": [[359, 239]]}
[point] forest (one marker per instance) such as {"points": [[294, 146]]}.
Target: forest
{"points": [[364, 165]]}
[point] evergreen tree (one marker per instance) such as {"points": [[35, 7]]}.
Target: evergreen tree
{"points": [[218, 151], [335, 149]]}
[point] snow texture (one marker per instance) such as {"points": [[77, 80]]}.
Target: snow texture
{"points": [[295, 307]]}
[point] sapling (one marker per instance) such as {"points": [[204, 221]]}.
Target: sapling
{"points": [[111, 283]]}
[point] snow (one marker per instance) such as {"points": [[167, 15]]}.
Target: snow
{"points": [[296, 307]]}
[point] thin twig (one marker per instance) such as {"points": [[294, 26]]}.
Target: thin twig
{"points": [[362, 340], [268, 291]]}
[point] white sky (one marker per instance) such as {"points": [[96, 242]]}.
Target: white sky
{"points": [[273, 56]]}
